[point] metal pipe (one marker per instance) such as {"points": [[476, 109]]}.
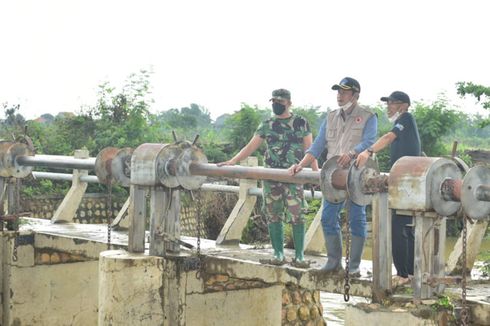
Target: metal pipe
{"points": [[220, 188], [57, 161], [254, 173], [306, 193], [64, 177], [205, 187]]}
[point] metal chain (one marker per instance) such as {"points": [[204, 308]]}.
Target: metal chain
{"points": [[200, 272], [14, 250], [15, 222], [109, 213], [347, 252], [464, 310]]}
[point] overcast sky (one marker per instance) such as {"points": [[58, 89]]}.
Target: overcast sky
{"points": [[221, 53]]}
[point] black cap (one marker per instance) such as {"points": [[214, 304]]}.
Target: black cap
{"points": [[281, 94], [397, 96], [348, 83]]}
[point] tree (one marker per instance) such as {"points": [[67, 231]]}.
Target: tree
{"points": [[120, 118], [241, 125], [434, 121], [14, 122], [312, 115], [481, 93]]}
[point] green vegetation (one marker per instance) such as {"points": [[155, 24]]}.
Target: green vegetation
{"points": [[480, 92], [443, 303], [485, 268]]}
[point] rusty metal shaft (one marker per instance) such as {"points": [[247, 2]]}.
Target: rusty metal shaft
{"points": [[254, 173], [375, 184], [451, 189]]}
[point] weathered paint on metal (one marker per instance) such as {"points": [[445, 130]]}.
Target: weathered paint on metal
{"points": [[408, 186], [103, 164], [9, 166], [144, 164]]}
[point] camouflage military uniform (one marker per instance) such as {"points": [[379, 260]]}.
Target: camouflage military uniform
{"points": [[284, 141]]}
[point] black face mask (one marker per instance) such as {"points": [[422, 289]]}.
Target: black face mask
{"points": [[278, 108]]}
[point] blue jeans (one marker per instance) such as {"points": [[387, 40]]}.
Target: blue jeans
{"points": [[331, 218]]}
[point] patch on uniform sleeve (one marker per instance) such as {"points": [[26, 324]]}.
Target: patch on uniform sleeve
{"points": [[358, 119], [399, 126]]}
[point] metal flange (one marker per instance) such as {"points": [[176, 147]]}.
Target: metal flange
{"points": [[189, 155], [331, 183], [441, 170], [464, 168], [121, 166], [165, 165], [475, 208], [356, 179], [10, 167], [103, 164], [114, 165]]}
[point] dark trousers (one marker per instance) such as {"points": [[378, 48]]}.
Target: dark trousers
{"points": [[402, 242]]}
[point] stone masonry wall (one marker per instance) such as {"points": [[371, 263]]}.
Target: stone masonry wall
{"points": [[93, 208], [301, 307]]}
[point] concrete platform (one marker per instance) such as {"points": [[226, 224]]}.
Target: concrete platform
{"points": [[242, 261]]}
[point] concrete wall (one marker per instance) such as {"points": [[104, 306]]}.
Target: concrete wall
{"points": [[243, 307], [48, 280], [131, 289], [144, 290]]}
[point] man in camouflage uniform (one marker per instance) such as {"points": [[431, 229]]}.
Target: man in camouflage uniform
{"points": [[287, 136]]}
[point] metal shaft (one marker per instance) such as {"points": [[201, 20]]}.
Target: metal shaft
{"points": [[374, 185], [55, 161], [254, 173], [451, 189], [483, 192]]}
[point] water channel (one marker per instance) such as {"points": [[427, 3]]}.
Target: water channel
{"points": [[334, 305]]}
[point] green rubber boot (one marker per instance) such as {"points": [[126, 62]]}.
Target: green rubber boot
{"points": [[276, 233], [299, 241], [299, 246]]}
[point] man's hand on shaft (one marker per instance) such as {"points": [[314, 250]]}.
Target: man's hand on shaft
{"points": [[295, 168], [229, 162]]}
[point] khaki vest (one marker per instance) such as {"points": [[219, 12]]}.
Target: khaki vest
{"points": [[342, 135]]}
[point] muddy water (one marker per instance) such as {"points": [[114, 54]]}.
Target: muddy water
{"points": [[334, 305]]}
